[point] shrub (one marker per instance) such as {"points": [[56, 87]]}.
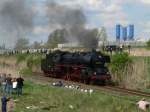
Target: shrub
{"points": [[148, 44], [120, 63], [26, 71], [20, 58], [30, 62]]}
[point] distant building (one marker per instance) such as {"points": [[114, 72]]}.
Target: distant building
{"points": [[118, 29], [124, 33], [131, 32]]}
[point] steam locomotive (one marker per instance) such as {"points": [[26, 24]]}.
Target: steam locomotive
{"points": [[85, 67]]}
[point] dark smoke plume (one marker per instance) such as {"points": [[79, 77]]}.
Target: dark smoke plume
{"points": [[73, 20], [16, 19], [64, 16], [88, 38]]}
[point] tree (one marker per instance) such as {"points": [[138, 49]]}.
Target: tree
{"points": [[103, 36], [56, 37], [148, 44], [22, 43], [36, 45]]}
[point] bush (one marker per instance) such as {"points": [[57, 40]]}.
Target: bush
{"points": [[33, 60], [119, 62], [148, 44], [30, 62], [21, 58], [26, 71]]}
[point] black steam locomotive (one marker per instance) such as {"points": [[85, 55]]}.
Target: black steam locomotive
{"points": [[86, 67]]}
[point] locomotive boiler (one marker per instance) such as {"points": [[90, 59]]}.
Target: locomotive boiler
{"points": [[86, 67]]}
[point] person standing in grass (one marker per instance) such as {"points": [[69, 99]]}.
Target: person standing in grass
{"points": [[14, 83], [9, 85], [19, 85], [4, 101], [3, 83]]}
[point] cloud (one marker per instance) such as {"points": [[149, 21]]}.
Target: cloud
{"points": [[145, 32], [38, 30], [145, 1], [102, 13], [108, 13], [99, 13]]}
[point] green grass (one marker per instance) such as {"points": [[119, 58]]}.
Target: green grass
{"points": [[51, 99], [26, 71]]}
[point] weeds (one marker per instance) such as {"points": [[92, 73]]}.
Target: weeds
{"points": [[131, 72], [119, 65]]}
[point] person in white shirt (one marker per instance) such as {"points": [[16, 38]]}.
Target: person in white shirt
{"points": [[14, 84]]}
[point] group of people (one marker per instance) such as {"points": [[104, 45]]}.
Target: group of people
{"points": [[9, 85]]}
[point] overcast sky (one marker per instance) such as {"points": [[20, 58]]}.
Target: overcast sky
{"points": [[99, 13]]}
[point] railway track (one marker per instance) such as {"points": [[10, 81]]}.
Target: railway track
{"points": [[128, 91], [98, 88]]}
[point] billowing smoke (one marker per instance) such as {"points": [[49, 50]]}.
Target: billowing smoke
{"points": [[73, 20], [65, 16], [16, 20], [88, 38]]}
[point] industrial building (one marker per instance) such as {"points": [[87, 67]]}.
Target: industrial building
{"points": [[124, 33], [131, 32], [118, 28]]}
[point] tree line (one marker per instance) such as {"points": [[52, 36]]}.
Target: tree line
{"points": [[88, 38]]}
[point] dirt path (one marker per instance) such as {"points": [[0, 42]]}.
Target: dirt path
{"points": [[140, 52]]}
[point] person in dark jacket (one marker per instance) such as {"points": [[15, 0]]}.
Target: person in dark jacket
{"points": [[3, 83], [19, 85], [4, 101], [9, 84]]}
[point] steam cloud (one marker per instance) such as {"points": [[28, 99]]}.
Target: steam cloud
{"points": [[16, 19], [74, 21]]}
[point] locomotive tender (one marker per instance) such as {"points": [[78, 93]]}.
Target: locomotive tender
{"points": [[86, 67]]}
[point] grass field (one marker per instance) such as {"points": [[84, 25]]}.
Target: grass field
{"points": [[44, 98]]}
